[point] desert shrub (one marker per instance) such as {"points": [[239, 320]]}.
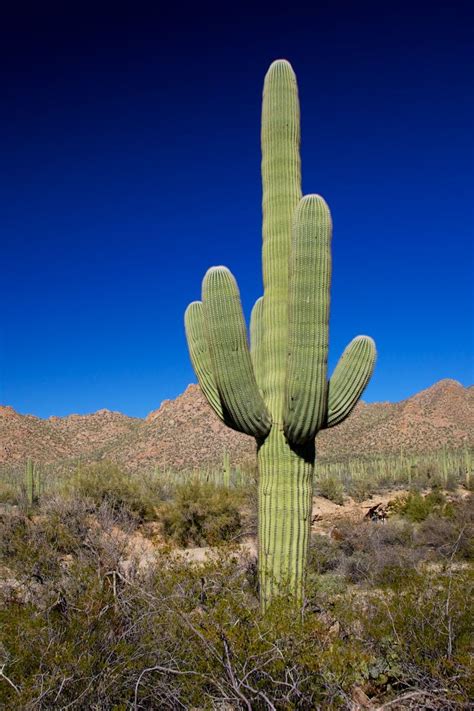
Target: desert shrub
{"points": [[390, 554], [377, 554], [331, 488], [67, 647], [107, 482], [357, 568], [360, 489], [385, 480], [181, 635], [423, 475], [9, 494], [417, 507], [372, 538], [34, 551], [394, 533], [436, 533], [13, 535], [201, 514], [81, 630], [428, 627], [39, 549], [394, 566], [451, 481], [451, 536], [322, 589], [324, 555], [34, 547]]}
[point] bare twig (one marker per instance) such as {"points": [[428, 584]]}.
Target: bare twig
{"points": [[8, 680], [164, 670]]}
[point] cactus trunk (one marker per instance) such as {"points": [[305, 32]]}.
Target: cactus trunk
{"points": [[285, 494]]}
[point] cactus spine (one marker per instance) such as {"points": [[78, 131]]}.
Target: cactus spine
{"points": [[278, 390]]}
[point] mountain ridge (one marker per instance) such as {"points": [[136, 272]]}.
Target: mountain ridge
{"points": [[184, 433]]}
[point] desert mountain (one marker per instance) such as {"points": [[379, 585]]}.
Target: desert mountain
{"points": [[184, 433]]}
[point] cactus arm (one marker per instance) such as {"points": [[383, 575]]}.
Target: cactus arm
{"points": [[230, 356], [350, 377], [281, 181], [200, 357], [256, 340], [308, 318]]}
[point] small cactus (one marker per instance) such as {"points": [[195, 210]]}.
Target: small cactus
{"points": [[277, 390], [32, 483]]}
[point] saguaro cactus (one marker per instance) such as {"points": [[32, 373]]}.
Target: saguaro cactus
{"points": [[278, 390], [32, 483]]}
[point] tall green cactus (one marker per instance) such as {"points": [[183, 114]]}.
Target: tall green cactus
{"points": [[32, 483], [278, 390]]}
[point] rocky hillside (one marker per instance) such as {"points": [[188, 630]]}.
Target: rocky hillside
{"points": [[184, 433]]}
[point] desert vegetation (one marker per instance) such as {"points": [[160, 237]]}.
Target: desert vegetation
{"points": [[140, 592]]}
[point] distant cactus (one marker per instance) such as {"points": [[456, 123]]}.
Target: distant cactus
{"points": [[277, 390], [32, 483]]}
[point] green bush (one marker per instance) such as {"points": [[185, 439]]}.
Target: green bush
{"points": [[322, 590], [417, 507], [394, 567], [357, 568], [187, 637], [368, 553], [331, 488], [360, 489], [394, 533], [324, 555], [428, 625], [9, 494], [450, 536], [35, 547], [106, 482], [14, 532], [202, 514]]}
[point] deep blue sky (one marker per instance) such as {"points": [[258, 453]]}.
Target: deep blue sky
{"points": [[131, 163]]}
